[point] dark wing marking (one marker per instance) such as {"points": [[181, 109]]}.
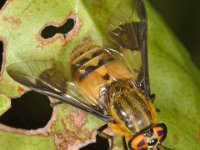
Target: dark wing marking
{"points": [[126, 39], [51, 78]]}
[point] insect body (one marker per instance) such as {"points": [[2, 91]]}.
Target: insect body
{"points": [[111, 81], [108, 85]]}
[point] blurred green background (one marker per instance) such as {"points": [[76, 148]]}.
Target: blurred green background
{"points": [[183, 17]]}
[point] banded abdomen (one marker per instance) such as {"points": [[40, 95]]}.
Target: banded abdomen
{"points": [[94, 69]]}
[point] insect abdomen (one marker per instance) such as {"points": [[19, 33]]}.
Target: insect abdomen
{"points": [[93, 69], [89, 61]]}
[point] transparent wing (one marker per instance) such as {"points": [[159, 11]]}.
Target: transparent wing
{"points": [[126, 39], [52, 78]]}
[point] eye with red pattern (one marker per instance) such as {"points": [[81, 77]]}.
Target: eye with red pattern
{"points": [[149, 138], [160, 131], [138, 143]]}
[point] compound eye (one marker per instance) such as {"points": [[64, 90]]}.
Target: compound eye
{"points": [[138, 143], [161, 131], [152, 142]]}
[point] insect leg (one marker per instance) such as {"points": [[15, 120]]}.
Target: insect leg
{"points": [[56, 103], [152, 98], [104, 135], [124, 143], [157, 110]]}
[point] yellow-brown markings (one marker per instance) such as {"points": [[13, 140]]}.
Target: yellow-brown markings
{"points": [[87, 54], [130, 109], [148, 107], [94, 68], [81, 48], [120, 129]]}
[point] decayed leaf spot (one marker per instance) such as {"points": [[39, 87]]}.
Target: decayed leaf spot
{"points": [[198, 134], [2, 2], [101, 143], [78, 118], [68, 140], [64, 31], [1, 55], [75, 134], [15, 22], [175, 139], [30, 111]]}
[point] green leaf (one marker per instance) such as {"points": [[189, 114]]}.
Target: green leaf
{"points": [[176, 82], [4, 103], [174, 78]]}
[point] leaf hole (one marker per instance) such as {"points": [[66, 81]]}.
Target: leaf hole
{"points": [[2, 3], [1, 54], [101, 143], [51, 30], [31, 111]]}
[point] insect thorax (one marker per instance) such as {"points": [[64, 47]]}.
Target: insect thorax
{"points": [[130, 108]]}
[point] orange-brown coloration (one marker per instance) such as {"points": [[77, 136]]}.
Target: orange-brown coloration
{"points": [[68, 139], [143, 106], [149, 105], [91, 88], [175, 139], [120, 129], [78, 118], [84, 46], [199, 134], [94, 70], [156, 130], [14, 21], [134, 143], [20, 90], [99, 76]]}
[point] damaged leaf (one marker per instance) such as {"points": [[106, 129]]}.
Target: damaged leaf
{"points": [[174, 78]]}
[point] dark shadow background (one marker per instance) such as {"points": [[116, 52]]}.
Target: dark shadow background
{"points": [[183, 17]]}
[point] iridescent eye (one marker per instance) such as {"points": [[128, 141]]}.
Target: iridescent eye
{"points": [[138, 143], [161, 131]]}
